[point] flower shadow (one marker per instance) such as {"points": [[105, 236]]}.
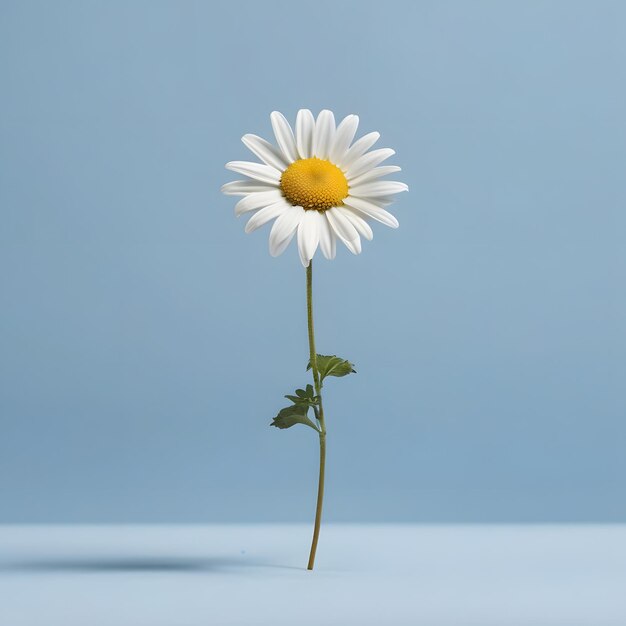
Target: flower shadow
{"points": [[137, 564]]}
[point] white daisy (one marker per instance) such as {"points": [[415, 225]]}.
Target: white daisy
{"points": [[316, 183]]}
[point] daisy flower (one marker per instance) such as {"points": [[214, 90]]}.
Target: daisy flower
{"points": [[319, 185], [315, 183]]}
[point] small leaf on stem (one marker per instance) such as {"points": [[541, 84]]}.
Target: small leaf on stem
{"points": [[332, 366], [305, 397], [292, 415]]}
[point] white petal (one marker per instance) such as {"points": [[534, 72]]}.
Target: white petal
{"points": [[343, 136], [377, 189], [284, 229], [257, 200], [284, 136], [344, 230], [358, 148], [308, 235], [373, 174], [266, 214], [371, 210], [328, 239], [264, 173], [265, 151], [244, 187], [305, 128], [282, 246], [368, 161], [363, 228], [382, 201], [324, 134]]}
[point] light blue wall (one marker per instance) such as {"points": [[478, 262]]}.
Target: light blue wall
{"points": [[146, 342]]}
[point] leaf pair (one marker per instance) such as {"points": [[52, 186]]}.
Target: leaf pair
{"points": [[304, 399]]}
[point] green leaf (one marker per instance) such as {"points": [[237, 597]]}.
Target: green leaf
{"points": [[292, 415], [332, 366], [305, 397]]}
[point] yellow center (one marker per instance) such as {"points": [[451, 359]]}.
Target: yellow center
{"points": [[314, 184]]}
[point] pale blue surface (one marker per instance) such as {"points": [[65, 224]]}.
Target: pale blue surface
{"points": [[146, 342], [365, 575]]}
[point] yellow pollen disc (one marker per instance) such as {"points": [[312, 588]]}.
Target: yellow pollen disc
{"points": [[314, 184]]}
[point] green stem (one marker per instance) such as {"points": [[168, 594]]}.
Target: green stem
{"points": [[319, 414]]}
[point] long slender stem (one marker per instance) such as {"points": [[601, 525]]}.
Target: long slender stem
{"points": [[320, 414]]}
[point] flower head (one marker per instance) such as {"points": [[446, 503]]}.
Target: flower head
{"points": [[316, 183]]}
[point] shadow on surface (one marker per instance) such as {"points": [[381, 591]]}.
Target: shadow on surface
{"points": [[136, 564]]}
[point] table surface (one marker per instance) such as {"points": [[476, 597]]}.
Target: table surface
{"points": [[252, 575]]}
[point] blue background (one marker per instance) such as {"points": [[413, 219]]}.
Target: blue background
{"points": [[146, 341]]}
